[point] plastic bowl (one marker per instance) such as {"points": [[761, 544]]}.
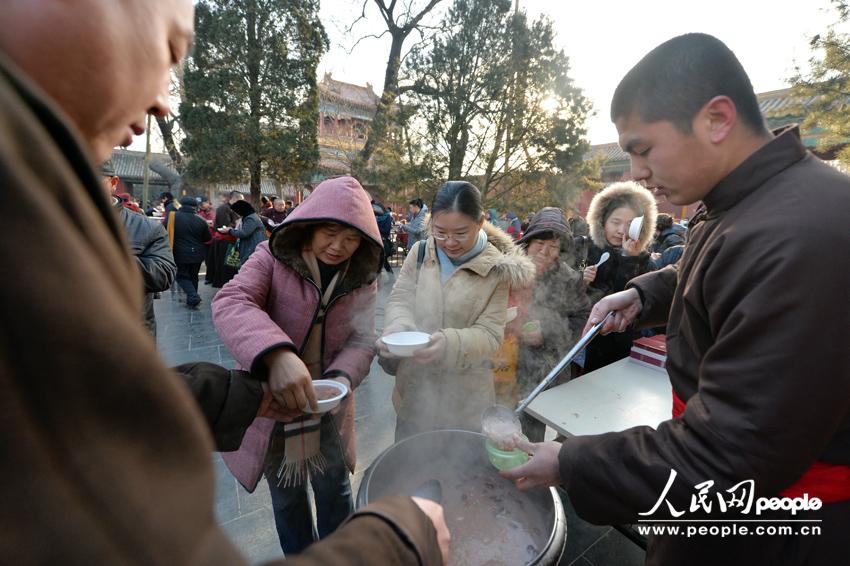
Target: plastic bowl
{"points": [[505, 459], [403, 344], [635, 227], [326, 405]]}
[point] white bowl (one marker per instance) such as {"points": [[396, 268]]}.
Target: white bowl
{"points": [[403, 344], [326, 405], [634, 228]]}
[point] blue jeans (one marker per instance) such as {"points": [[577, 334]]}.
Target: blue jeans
{"points": [[293, 516]]}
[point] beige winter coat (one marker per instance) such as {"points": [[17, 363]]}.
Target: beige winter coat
{"points": [[470, 309]]}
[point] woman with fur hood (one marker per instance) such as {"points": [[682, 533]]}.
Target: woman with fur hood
{"points": [[303, 308], [609, 216], [457, 293]]}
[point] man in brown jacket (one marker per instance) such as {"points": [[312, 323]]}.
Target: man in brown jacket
{"points": [[104, 453], [757, 317]]}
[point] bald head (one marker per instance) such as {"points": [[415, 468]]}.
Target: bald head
{"points": [[105, 63]]}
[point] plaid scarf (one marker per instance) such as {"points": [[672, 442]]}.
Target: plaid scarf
{"points": [[302, 437]]}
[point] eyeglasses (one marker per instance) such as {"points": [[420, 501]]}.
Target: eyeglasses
{"points": [[442, 237]]}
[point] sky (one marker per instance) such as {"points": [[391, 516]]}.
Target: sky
{"points": [[603, 39]]}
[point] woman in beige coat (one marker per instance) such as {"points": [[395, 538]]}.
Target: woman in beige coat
{"points": [[457, 293]]}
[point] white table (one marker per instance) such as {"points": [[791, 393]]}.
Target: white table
{"points": [[616, 397]]}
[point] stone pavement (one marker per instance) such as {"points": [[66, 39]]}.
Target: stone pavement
{"points": [[186, 335]]}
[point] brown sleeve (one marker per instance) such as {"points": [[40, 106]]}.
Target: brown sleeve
{"points": [[656, 289], [771, 396], [229, 400], [391, 531]]}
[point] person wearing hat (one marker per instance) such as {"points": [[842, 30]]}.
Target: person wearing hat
{"points": [[190, 239], [250, 232], [551, 312]]}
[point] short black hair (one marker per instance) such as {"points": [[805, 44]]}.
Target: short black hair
{"points": [[674, 80], [459, 196], [417, 202], [166, 195], [663, 221], [234, 193]]}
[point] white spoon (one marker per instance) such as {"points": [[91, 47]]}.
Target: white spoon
{"points": [[602, 259]]}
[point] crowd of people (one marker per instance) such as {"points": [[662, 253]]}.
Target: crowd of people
{"points": [[107, 451]]}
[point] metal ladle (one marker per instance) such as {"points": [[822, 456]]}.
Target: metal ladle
{"points": [[503, 421]]}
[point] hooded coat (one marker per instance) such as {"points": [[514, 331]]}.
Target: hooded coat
{"points": [[470, 310], [273, 300], [613, 275]]}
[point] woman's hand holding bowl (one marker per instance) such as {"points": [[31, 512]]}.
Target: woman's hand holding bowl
{"points": [[434, 351], [631, 248], [289, 380]]}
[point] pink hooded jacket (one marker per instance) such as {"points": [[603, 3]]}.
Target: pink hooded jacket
{"points": [[272, 301]]}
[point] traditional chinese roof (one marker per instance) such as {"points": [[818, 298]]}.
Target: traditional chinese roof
{"points": [[346, 99], [267, 187], [129, 165], [781, 103]]}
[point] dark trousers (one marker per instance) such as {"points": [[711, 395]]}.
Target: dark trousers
{"points": [[293, 516], [187, 278]]}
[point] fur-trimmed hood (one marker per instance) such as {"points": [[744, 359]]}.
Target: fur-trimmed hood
{"points": [[344, 201], [626, 193], [513, 267]]}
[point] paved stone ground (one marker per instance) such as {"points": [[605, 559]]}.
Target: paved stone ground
{"points": [[186, 335]]}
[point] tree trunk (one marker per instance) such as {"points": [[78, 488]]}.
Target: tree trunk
{"points": [[166, 129], [253, 65], [256, 181], [383, 114]]}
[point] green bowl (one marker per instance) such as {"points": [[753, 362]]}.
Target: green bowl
{"points": [[505, 459]]}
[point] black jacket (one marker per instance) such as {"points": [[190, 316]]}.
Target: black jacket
{"points": [[612, 277], [191, 236], [149, 244], [224, 216], [667, 239]]}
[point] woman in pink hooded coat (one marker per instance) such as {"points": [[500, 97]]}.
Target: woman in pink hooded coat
{"points": [[303, 308]]}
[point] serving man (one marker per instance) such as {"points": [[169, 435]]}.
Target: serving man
{"points": [[104, 454], [756, 316]]}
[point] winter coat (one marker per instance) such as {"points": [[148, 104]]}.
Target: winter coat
{"points": [[667, 239], [272, 303], [149, 245], [191, 236], [250, 234], [470, 310], [671, 256], [105, 448], [225, 216], [757, 317], [270, 215], [560, 304], [613, 275], [417, 227]]}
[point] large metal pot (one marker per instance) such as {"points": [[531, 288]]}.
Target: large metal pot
{"points": [[492, 523]]}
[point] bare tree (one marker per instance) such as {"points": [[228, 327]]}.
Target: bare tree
{"points": [[399, 26]]}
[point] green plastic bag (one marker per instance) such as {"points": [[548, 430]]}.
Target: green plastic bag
{"points": [[231, 256]]}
